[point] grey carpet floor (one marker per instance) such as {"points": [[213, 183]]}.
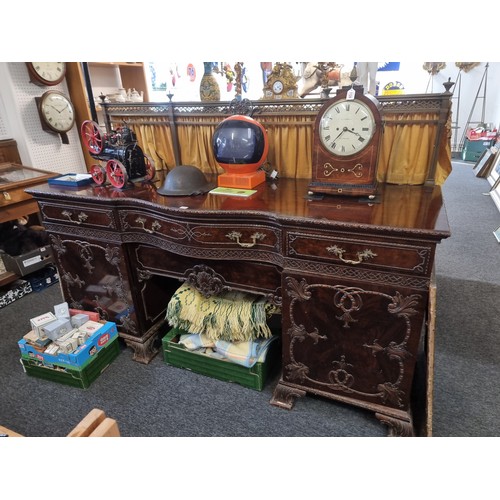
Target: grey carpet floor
{"points": [[158, 400]]}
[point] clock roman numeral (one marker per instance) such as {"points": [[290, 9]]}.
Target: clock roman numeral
{"points": [[365, 129], [347, 106], [337, 109], [364, 118], [327, 138]]}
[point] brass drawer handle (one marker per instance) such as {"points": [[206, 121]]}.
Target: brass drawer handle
{"points": [[339, 252], [82, 216], [154, 226], [7, 195], [235, 236]]}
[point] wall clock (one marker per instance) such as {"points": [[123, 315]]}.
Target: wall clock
{"points": [[346, 143], [46, 73], [56, 112]]}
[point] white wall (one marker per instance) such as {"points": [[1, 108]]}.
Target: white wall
{"points": [[20, 121]]}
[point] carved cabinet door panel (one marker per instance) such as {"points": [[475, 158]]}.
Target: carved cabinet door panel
{"points": [[351, 341], [93, 276]]}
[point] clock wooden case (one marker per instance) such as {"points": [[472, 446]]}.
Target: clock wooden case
{"points": [[56, 113], [346, 143], [46, 73]]}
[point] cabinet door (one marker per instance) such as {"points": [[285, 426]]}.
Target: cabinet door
{"points": [[93, 276], [351, 341]]}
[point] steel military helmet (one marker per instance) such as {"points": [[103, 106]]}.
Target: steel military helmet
{"points": [[185, 180]]}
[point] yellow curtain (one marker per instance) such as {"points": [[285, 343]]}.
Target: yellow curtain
{"points": [[407, 149], [405, 155], [290, 145], [195, 142], [156, 142]]}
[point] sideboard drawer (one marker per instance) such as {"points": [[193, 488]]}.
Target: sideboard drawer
{"points": [[216, 235], [351, 251], [78, 215]]}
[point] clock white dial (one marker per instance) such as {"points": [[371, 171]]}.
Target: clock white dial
{"points": [[347, 127], [49, 73], [278, 87], [57, 111]]}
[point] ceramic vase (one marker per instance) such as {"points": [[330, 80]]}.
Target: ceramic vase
{"points": [[209, 87]]}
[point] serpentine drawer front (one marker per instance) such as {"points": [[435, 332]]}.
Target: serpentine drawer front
{"points": [[210, 235], [357, 251], [75, 215]]}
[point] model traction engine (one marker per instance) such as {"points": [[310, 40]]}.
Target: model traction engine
{"points": [[125, 160]]}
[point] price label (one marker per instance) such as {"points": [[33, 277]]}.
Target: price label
{"points": [[351, 93]]}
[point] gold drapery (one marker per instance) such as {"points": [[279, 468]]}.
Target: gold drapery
{"points": [[405, 156], [290, 145], [195, 142], [407, 149], [156, 142]]}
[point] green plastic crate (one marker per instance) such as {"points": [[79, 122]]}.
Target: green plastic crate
{"points": [[74, 377], [253, 378]]}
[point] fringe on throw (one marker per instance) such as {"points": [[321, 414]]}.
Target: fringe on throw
{"points": [[232, 316]]}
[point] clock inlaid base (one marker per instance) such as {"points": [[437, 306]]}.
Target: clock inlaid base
{"points": [[344, 189]]}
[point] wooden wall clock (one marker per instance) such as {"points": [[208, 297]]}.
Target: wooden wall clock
{"points": [[46, 73], [56, 112], [346, 143]]}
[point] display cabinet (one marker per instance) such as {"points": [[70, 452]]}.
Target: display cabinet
{"points": [[15, 203]]}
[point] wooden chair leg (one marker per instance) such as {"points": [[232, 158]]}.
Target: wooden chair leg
{"points": [[107, 428], [88, 424]]}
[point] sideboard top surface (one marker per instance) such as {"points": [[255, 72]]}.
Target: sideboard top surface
{"points": [[412, 210]]}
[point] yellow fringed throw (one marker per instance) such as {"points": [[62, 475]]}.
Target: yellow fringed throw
{"points": [[231, 316]]}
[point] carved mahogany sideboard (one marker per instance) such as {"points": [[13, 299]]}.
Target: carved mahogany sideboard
{"points": [[352, 277]]}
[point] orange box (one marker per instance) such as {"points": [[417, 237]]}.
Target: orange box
{"points": [[241, 181]]}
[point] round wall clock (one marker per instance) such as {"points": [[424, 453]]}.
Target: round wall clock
{"points": [[46, 73], [56, 113], [346, 143]]}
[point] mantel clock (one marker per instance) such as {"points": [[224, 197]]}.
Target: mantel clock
{"points": [[281, 83], [346, 143]]}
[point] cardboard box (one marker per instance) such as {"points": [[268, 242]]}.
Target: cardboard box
{"points": [[39, 321], [255, 377], [74, 376], [82, 355], [79, 319], [43, 278], [93, 315], [56, 329], [28, 262], [61, 310], [14, 291]]}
